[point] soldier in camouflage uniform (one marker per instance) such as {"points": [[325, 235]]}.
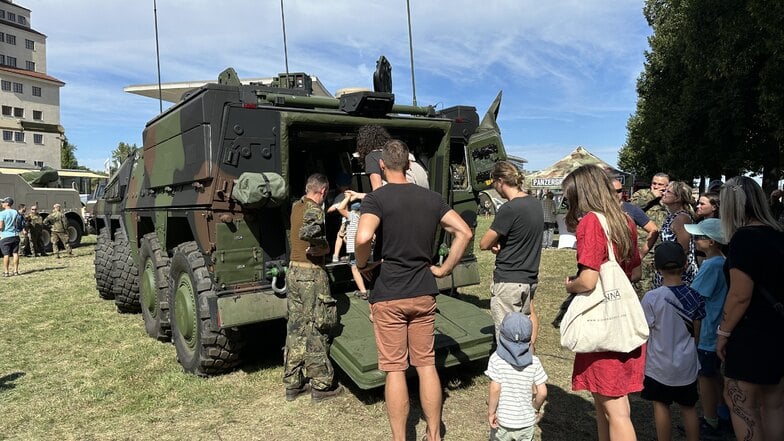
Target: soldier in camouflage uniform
{"points": [[649, 200], [24, 235], [307, 337], [59, 224], [35, 227]]}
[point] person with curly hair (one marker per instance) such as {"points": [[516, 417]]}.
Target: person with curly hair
{"points": [[677, 199]]}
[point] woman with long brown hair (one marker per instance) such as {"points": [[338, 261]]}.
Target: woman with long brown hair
{"points": [[677, 199], [609, 376]]}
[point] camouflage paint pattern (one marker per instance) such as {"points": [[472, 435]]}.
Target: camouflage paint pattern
{"points": [[647, 202]]}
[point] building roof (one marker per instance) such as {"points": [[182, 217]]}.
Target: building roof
{"points": [[15, 4], [32, 74], [173, 92]]}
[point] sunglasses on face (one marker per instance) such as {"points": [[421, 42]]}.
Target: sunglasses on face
{"points": [[619, 190], [701, 237]]}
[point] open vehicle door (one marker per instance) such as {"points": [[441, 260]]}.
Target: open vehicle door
{"points": [[485, 148]]}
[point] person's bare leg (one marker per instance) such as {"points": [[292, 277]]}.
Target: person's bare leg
{"points": [[691, 422], [396, 396], [773, 411], [358, 280], [6, 262], [663, 421], [744, 400], [602, 425], [16, 263], [619, 420], [709, 396], [430, 397]]}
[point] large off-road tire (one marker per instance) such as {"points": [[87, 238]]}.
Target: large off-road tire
{"points": [[125, 276], [154, 288], [104, 250], [202, 349], [75, 233]]}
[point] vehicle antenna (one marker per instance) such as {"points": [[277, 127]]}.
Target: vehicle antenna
{"points": [[157, 54], [285, 48], [411, 51]]}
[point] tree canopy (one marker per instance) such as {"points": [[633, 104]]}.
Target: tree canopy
{"points": [[710, 98], [68, 155]]}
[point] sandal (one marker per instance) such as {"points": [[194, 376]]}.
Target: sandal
{"points": [[16, 273], [6, 274]]}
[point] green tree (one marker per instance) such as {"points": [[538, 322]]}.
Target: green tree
{"points": [[710, 98], [122, 151], [68, 154]]}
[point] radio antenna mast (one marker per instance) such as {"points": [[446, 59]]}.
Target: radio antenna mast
{"points": [[285, 48], [158, 54], [411, 51]]}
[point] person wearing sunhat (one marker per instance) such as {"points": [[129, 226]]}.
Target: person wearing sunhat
{"points": [[517, 381], [711, 283], [9, 236]]}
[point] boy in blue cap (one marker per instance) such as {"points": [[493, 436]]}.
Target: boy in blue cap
{"points": [[711, 283], [517, 386]]}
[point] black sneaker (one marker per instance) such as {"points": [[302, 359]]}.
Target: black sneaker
{"points": [[321, 395], [708, 432], [292, 394]]}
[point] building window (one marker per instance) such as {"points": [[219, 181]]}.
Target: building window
{"points": [[18, 112], [8, 160], [20, 161], [2, 13], [6, 110], [10, 39], [38, 115], [19, 136], [18, 88], [5, 85], [2, 60], [38, 163], [8, 135], [30, 44], [11, 61], [11, 16], [2, 36], [38, 138], [21, 20], [29, 65], [36, 91]]}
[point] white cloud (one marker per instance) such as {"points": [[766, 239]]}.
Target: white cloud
{"points": [[556, 61]]}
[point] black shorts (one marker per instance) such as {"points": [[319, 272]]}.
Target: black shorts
{"points": [[755, 355], [9, 245], [652, 390], [710, 364]]}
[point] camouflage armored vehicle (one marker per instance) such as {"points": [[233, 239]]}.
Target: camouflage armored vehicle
{"points": [[193, 227], [33, 188]]}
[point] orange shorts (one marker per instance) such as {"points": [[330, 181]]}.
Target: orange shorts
{"points": [[405, 330]]}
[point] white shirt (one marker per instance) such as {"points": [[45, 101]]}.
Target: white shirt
{"points": [[515, 407]]}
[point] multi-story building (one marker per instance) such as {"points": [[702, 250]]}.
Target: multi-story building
{"points": [[29, 98]]}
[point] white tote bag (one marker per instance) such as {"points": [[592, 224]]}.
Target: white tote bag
{"points": [[608, 319]]}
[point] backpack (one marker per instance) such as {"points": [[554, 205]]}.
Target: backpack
{"points": [[19, 222]]}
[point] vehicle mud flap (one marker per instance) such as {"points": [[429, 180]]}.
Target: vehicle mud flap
{"points": [[464, 333]]}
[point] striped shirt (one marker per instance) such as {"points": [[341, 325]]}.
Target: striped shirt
{"points": [[351, 230], [515, 407]]}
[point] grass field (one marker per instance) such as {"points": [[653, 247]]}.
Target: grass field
{"points": [[73, 368]]}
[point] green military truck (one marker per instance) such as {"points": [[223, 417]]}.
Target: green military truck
{"points": [[32, 189], [193, 228]]}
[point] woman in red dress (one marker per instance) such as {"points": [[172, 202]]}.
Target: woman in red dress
{"points": [[609, 376]]}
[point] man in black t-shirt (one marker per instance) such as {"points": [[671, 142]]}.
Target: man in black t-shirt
{"points": [[515, 236], [403, 299]]}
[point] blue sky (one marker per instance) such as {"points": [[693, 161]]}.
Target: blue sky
{"points": [[567, 68]]}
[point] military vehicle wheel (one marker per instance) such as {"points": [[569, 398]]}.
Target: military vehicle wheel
{"points": [[125, 276], [202, 348], [104, 250], [486, 205], [153, 288], [74, 233], [46, 240]]}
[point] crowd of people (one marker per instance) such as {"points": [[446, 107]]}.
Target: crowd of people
{"points": [[705, 271], [21, 233]]}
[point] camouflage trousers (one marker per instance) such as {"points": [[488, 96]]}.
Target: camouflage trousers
{"points": [[36, 243], [307, 350], [60, 236], [645, 283]]}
